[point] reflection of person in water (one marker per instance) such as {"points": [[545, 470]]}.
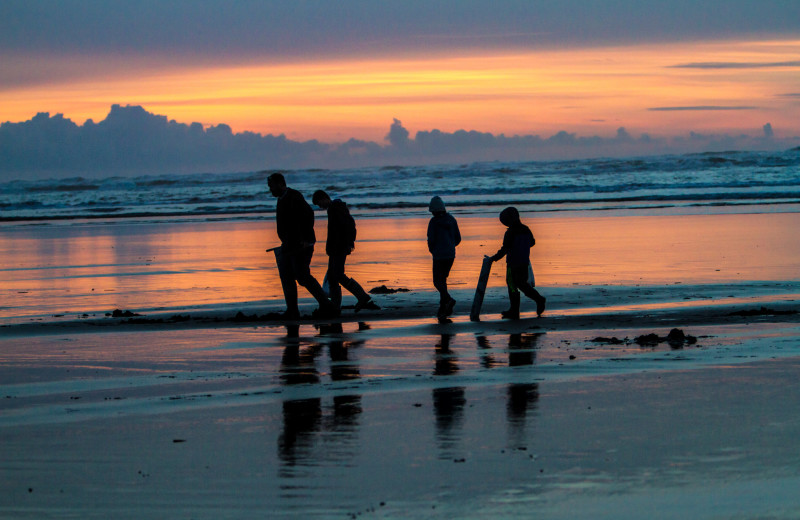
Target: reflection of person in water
{"points": [[522, 349], [346, 408], [301, 417], [297, 364], [301, 421], [485, 352], [445, 360], [521, 397], [448, 403], [304, 420]]}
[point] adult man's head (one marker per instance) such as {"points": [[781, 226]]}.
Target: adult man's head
{"points": [[321, 199], [277, 184]]}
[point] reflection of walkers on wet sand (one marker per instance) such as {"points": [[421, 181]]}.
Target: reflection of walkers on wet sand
{"points": [[517, 243], [340, 243], [313, 432], [295, 224], [443, 237]]}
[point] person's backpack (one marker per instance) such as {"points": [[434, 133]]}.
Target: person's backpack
{"points": [[351, 227]]}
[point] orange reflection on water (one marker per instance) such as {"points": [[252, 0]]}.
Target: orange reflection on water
{"points": [[596, 250], [97, 268], [668, 249]]}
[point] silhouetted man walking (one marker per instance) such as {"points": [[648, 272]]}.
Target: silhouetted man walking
{"points": [[295, 223]]}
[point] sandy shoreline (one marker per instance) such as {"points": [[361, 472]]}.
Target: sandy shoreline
{"points": [[404, 417], [186, 411], [568, 308]]}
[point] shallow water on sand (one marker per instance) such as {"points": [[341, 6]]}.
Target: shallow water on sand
{"points": [[93, 268], [232, 422]]}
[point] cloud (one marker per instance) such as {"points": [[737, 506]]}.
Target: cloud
{"points": [[397, 136], [131, 140], [700, 108], [737, 65]]}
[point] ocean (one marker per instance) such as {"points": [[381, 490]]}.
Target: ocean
{"points": [[707, 182], [79, 247]]}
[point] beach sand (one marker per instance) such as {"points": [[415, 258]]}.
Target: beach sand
{"points": [[187, 411]]}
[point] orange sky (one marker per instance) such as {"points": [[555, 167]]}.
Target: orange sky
{"points": [[588, 91]]}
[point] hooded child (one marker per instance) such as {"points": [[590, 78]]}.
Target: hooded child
{"points": [[295, 225], [443, 237], [517, 243], [340, 243]]}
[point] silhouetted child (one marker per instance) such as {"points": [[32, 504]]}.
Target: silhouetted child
{"points": [[443, 237], [517, 243]]}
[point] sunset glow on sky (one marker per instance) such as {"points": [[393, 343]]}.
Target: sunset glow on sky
{"points": [[357, 82], [664, 88]]}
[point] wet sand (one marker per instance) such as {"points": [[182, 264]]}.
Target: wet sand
{"points": [[389, 414], [404, 420]]}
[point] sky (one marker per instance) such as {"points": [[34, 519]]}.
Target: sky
{"points": [[336, 71]]}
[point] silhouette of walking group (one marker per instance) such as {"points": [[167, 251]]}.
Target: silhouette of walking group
{"points": [[295, 227]]}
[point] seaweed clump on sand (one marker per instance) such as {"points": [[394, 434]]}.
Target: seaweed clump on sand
{"points": [[118, 313], [763, 311], [382, 289], [676, 339]]}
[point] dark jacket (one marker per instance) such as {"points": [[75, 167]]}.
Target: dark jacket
{"points": [[341, 229], [517, 243], [443, 236], [295, 221]]}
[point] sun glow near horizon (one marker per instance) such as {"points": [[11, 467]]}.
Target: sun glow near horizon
{"points": [[668, 89]]}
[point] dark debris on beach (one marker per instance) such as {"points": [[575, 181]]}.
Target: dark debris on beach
{"points": [[118, 313], [763, 311], [382, 289], [676, 339]]}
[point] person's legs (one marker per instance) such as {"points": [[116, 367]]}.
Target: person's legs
{"points": [[301, 263], [355, 289], [335, 278], [519, 275], [364, 299], [286, 273], [441, 270], [513, 297]]}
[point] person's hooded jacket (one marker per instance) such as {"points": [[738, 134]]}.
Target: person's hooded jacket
{"points": [[443, 232], [517, 241]]}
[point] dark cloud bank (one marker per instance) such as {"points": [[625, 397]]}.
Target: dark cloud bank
{"points": [[131, 140]]}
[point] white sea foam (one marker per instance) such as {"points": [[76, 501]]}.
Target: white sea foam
{"points": [[698, 180]]}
